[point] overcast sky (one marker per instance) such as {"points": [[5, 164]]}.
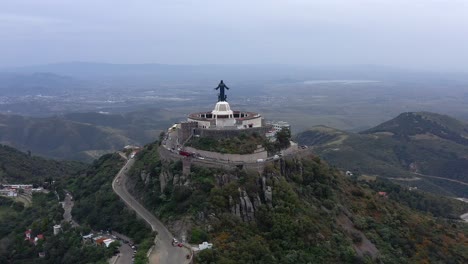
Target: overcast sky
{"points": [[422, 34]]}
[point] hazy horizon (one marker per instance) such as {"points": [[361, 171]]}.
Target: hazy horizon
{"points": [[417, 35]]}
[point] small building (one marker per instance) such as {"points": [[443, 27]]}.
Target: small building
{"points": [[99, 240], [205, 245], [37, 238], [18, 186], [383, 194], [27, 234], [89, 236], [57, 229], [349, 173], [279, 125], [108, 241], [9, 192]]}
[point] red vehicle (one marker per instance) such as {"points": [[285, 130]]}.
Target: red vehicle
{"points": [[185, 153]]}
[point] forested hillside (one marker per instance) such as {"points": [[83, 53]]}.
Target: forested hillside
{"points": [[81, 136], [299, 210], [97, 205], [96, 208], [40, 217], [20, 167], [425, 143]]}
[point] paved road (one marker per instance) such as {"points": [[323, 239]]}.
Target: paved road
{"points": [[166, 253], [442, 178], [67, 205]]}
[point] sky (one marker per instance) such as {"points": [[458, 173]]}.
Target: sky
{"points": [[416, 34]]}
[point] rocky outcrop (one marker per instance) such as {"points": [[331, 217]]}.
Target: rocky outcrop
{"points": [[164, 177], [235, 207], [145, 177], [246, 206], [268, 195], [223, 179], [267, 192]]}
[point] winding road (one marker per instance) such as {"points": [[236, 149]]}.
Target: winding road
{"points": [[442, 178], [164, 252]]}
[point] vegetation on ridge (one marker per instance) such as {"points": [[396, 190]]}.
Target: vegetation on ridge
{"points": [[315, 214], [242, 144], [19, 167], [425, 143]]}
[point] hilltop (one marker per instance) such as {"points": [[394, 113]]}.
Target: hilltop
{"points": [[416, 142], [297, 210], [418, 125]]}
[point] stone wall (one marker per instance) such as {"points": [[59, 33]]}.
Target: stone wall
{"points": [[185, 130], [247, 158], [227, 133]]}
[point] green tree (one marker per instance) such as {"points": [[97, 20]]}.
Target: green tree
{"points": [[283, 138]]}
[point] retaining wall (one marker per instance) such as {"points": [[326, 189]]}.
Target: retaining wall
{"points": [[247, 158]]}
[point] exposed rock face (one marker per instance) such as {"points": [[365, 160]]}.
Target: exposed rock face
{"points": [[176, 179], [268, 195], [224, 179], [164, 178], [257, 202], [245, 204], [145, 177], [235, 207], [267, 192], [247, 209]]}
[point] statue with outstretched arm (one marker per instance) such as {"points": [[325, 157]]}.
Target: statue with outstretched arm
{"points": [[221, 86]]}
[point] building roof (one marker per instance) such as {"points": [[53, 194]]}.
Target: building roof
{"points": [[222, 108], [108, 241], [100, 240]]}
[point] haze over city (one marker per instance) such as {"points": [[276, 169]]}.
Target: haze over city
{"points": [[419, 34]]}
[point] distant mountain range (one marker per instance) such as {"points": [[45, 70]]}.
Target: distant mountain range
{"points": [[412, 146], [39, 83], [251, 72]]}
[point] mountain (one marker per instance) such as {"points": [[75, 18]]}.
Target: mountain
{"points": [[60, 138], [297, 210], [424, 124], [38, 83], [411, 148], [82, 136], [19, 167], [253, 72]]}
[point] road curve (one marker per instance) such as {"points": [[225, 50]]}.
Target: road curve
{"points": [[442, 178], [166, 253]]}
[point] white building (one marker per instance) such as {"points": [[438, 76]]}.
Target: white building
{"points": [[222, 117], [278, 125], [205, 245], [57, 229]]}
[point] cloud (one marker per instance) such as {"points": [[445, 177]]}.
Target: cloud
{"points": [[417, 33]]}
